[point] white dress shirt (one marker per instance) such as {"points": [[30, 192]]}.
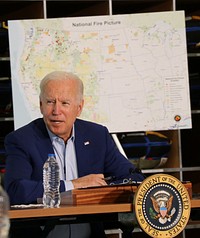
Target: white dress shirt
{"points": [[66, 158]]}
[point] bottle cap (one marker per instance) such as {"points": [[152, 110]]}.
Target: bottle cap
{"points": [[50, 155]]}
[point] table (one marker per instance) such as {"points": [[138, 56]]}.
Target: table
{"points": [[74, 214], [70, 210], [34, 217], [195, 203], [74, 210]]}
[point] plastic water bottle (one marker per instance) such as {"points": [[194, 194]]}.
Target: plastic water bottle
{"points": [[51, 182], [4, 218]]}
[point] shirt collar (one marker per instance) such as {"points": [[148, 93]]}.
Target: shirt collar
{"points": [[55, 137]]}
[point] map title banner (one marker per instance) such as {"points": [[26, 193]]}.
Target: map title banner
{"points": [[96, 23]]}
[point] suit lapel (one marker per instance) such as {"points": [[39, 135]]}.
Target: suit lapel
{"points": [[82, 147], [43, 141]]}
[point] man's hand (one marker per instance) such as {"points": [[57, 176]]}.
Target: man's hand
{"points": [[90, 180]]}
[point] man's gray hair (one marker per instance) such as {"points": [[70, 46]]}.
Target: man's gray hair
{"points": [[62, 75]]}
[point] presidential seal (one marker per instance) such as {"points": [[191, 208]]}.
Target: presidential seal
{"points": [[162, 206]]}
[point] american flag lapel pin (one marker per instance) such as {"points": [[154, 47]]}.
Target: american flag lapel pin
{"points": [[86, 143]]}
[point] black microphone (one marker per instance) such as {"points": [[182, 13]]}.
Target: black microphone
{"points": [[132, 171], [136, 170]]}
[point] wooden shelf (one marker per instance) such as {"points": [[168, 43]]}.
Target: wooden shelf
{"points": [[12, 10]]}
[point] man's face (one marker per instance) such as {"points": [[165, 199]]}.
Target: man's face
{"points": [[60, 105]]}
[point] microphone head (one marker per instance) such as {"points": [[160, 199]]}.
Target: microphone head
{"points": [[134, 170]]}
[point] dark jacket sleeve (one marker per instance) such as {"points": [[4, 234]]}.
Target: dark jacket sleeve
{"points": [[25, 156], [97, 153]]}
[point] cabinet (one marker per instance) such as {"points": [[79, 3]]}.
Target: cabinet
{"points": [[183, 159], [189, 139], [6, 115]]}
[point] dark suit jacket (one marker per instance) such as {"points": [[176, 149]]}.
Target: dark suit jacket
{"points": [[27, 149]]}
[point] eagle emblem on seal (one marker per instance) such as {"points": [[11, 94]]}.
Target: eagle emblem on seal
{"points": [[162, 202]]}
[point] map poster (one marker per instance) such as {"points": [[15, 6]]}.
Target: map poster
{"points": [[134, 67]]}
